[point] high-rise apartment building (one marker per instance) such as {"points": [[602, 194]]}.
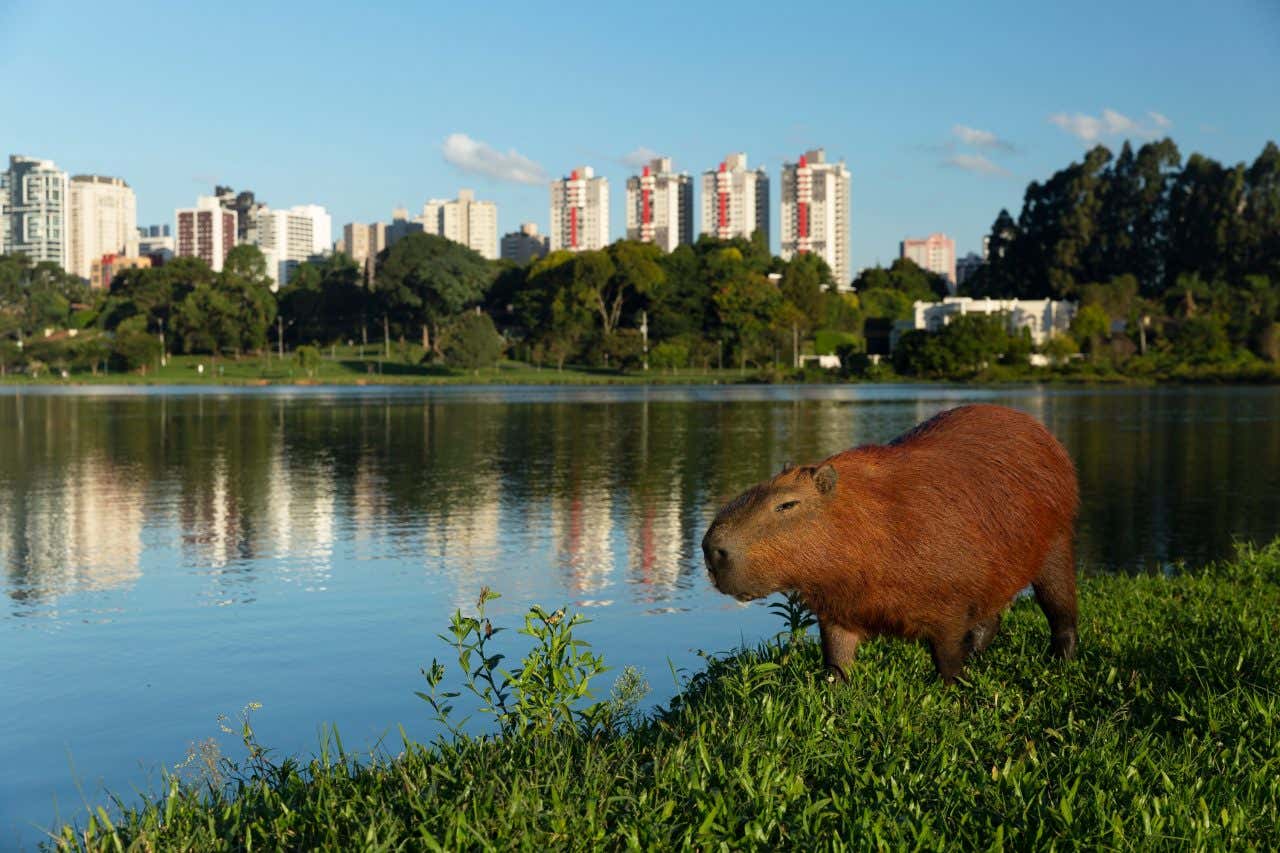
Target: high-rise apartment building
{"points": [[935, 253], [580, 211], [155, 242], [104, 221], [33, 211], [245, 207], [815, 212], [362, 243], [464, 220], [660, 206], [401, 226], [735, 200], [525, 245], [206, 231], [287, 238]]}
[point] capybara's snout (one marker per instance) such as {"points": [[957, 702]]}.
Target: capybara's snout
{"points": [[715, 552], [723, 561]]}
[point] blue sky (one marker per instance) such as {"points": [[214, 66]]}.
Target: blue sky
{"points": [[943, 111]]}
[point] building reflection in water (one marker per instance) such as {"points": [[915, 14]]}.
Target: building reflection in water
{"points": [[590, 502], [74, 529]]}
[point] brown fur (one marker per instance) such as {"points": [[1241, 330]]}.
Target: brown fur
{"points": [[930, 536]]}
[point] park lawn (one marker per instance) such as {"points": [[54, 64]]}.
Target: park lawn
{"points": [[1165, 733], [351, 368]]}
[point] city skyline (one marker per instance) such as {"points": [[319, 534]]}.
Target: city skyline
{"points": [[945, 163]]}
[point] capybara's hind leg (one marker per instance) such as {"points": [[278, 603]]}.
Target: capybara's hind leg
{"points": [[981, 635], [1055, 589], [839, 648]]}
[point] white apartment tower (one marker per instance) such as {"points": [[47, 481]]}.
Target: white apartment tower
{"points": [[735, 200], [206, 231], [580, 211], [290, 237], [660, 206], [815, 212], [104, 221], [464, 220], [33, 211]]}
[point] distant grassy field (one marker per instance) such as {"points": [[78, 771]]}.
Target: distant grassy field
{"points": [[1165, 733], [350, 368]]}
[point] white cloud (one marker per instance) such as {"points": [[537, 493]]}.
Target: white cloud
{"points": [[1091, 129], [975, 163], [639, 157], [480, 158], [980, 138]]}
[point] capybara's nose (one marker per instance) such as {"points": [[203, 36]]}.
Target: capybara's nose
{"points": [[715, 554]]}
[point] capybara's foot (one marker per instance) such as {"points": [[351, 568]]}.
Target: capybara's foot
{"points": [[948, 657], [1063, 645], [836, 675]]}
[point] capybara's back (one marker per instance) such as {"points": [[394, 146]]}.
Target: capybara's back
{"points": [[928, 536]]}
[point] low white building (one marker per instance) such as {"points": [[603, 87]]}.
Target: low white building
{"points": [[1044, 317]]}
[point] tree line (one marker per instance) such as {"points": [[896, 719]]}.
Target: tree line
{"points": [[1167, 260]]}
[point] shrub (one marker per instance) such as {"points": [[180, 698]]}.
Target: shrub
{"points": [[1202, 339], [669, 355], [308, 358], [828, 341], [472, 342], [134, 350], [1061, 347]]}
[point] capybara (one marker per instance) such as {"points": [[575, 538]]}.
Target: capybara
{"points": [[930, 536]]}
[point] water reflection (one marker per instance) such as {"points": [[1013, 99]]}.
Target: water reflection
{"points": [[537, 492]]}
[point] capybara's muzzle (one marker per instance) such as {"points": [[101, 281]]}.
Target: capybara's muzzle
{"points": [[715, 553]]}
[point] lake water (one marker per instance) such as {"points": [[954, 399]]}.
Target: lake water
{"points": [[168, 555]]}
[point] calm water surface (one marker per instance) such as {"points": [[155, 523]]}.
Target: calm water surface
{"points": [[169, 555]]}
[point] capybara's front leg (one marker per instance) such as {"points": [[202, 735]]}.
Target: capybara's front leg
{"points": [[948, 648], [839, 648]]}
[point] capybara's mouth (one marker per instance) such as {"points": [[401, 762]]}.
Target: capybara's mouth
{"points": [[746, 597]]}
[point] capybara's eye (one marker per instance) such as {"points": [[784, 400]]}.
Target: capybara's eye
{"points": [[783, 507]]}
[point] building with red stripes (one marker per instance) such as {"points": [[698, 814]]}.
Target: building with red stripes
{"points": [[660, 205], [815, 212], [735, 200], [580, 211]]}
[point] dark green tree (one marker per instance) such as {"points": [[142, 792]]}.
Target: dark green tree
{"points": [[423, 280]]}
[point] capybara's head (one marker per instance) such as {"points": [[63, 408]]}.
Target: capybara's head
{"points": [[760, 537]]}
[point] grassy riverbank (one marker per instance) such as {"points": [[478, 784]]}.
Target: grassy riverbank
{"points": [[1165, 733], [352, 368]]}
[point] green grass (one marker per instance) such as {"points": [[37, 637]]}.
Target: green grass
{"points": [[352, 369], [1165, 733]]}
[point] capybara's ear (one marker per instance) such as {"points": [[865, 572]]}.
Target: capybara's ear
{"points": [[787, 466], [825, 479]]}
